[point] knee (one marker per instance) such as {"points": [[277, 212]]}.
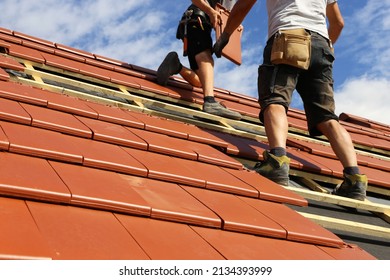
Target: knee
{"points": [[328, 126], [204, 57]]}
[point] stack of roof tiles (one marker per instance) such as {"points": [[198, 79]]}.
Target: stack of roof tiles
{"points": [[84, 180]]}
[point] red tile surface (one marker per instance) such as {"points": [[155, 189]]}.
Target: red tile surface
{"points": [[61, 62], [106, 156], [235, 246], [161, 143], [312, 147], [298, 228], [242, 147], [4, 76], [41, 143], [313, 163], [21, 238], [115, 115], [27, 37], [26, 53], [160, 125], [179, 130], [202, 135], [83, 234], [57, 121], [348, 252], [268, 190], [10, 63], [376, 177], [22, 93], [243, 109], [382, 164], [69, 104], [113, 133], [170, 202], [13, 111], [211, 155], [165, 168], [370, 141], [237, 215], [4, 142], [74, 51], [189, 172], [168, 241], [32, 178], [69, 55], [219, 179], [4, 44], [101, 189], [125, 80], [7, 36]]}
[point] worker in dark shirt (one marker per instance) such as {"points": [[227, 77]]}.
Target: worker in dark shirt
{"points": [[195, 30]]}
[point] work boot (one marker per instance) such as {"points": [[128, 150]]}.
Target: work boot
{"points": [[171, 65], [353, 186], [274, 168], [216, 108]]}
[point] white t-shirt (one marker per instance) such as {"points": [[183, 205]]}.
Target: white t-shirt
{"points": [[228, 4], [291, 14]]}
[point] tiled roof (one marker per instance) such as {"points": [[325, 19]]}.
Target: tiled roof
{"points": [[100, 162]]}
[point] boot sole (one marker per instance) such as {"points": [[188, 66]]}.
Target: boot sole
{"points": [[163, 72]]}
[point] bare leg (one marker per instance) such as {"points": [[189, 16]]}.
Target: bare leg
{"points": [[190, 76], [206, 72], [341, 142], [276, 125]]}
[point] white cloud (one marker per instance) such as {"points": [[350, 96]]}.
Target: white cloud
{"points": [[365, 41], [365, 97]]}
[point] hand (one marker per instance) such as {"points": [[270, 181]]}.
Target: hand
{"points": [[215, 19], [222, 41]]}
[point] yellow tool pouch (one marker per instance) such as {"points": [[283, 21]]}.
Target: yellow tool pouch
{"points": [[292, 47]]}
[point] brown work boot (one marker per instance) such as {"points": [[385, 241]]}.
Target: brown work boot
{"points": [[353, 186], [171, 65], [274, 168]]}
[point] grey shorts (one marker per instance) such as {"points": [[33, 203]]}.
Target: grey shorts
{"points": [[276, 84]]}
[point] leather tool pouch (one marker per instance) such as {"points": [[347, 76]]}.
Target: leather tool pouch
{"points": [[292, 47]]}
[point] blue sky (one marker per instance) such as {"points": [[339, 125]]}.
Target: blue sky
{"points": [[143, 32]]}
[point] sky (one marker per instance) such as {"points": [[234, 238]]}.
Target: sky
{"points": [[143, 32]]}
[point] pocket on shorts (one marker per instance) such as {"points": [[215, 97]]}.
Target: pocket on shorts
{"points": [[266, 81]]}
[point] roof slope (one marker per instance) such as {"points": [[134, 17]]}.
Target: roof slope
{"points": [[99, 162]]}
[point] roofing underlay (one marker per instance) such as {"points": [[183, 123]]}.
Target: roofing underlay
{"points": [[100, 162]]}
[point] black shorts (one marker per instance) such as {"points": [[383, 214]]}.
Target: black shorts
{"points": [[276, 84], [198, 39]]}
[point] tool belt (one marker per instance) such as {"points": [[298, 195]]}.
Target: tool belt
{"points": [[292, 47], [191, 15]]}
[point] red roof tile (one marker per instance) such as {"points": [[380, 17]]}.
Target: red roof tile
{"points": [[32, 178], [84, 234], [21, 240]]}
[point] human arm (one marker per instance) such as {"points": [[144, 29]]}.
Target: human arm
{"points": [[214, 16], [335, 20], [237, 15]]}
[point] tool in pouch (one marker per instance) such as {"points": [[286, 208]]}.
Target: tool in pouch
{"points": [[292, 47], [187, 17]]}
